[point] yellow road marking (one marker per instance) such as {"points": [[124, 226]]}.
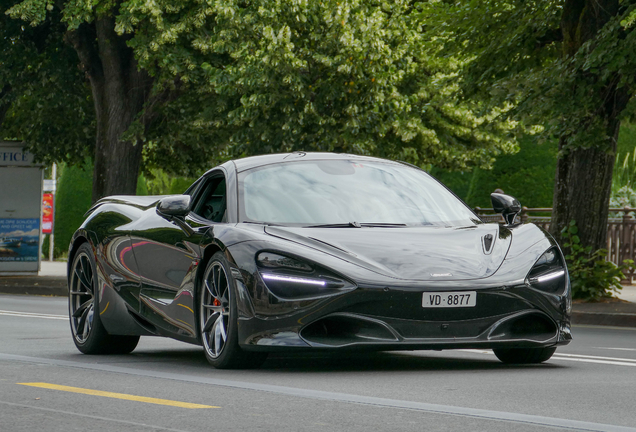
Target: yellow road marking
{"points": [[117, 395], [182, 305], [107, 304]]}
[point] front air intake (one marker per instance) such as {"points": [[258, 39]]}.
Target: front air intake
{"points": [[345, 329]]}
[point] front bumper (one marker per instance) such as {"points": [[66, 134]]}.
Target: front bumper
{"points": [[382, 318]]}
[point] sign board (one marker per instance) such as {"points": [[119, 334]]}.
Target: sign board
{"points": [[19, 240], [20, 210], [48, 211], [49, 185]]}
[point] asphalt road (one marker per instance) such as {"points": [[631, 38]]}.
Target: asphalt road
{"points": [[46, 384]]}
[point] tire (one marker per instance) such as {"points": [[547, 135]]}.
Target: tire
{"points": [[88, 332], [524, 355], [218, 319]]}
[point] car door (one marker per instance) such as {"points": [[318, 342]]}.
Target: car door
{"points": [[168, 252]]}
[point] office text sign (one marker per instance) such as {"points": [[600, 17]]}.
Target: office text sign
{"points": [[15, 156]]}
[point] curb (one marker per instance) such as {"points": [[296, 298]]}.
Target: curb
{"points": [[604, 319], [34, 285], [614, 312]]}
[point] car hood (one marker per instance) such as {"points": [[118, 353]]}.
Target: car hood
{"points": [[411, 253]]}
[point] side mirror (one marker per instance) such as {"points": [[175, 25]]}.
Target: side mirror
{"points": [[508, 206], [174, 206]]}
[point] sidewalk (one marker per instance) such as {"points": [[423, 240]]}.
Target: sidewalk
{"points": [[52, 281], [615, 313]]}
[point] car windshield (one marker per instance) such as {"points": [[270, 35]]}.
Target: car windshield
{"points": [[347, 193]]}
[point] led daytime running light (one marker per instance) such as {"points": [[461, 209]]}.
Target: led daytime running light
{"points": [[549, 276], [292, 279]]}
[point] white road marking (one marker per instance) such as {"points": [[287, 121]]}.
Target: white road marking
{"points": [[92, 417], [33, 315], [575, 357], [617, 349], [585, 360], [335, 397], [602, 327], [477, 351], [595, 357]]}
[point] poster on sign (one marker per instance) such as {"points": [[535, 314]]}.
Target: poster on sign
{"points": [[47, 213], [19, 239]]}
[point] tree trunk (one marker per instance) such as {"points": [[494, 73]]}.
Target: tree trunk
{"points": [[582, 191], [120, 91], [583, 180]]}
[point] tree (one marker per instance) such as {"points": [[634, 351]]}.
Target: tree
{"points": [[565, 65], [349, 76], [179, 83], [121, 92], [43, 98]]}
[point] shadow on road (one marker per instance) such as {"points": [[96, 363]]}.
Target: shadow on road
{"points": [[319, 362], [385, 361]]}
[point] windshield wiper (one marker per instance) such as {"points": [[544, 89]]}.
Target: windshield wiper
{"points": [[382, 225], [336, 225], [357, 225]]}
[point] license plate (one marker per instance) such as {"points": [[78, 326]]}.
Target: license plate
{"points": [[449, 299]]}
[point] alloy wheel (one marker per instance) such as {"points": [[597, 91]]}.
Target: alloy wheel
{"points": [[81, 302], [215, 309]]}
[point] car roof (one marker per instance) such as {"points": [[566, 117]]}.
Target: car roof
{"points": [[257, 161]]}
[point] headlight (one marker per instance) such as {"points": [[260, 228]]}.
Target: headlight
{"points": [[294, 279], [548, 273], [275, 261]]}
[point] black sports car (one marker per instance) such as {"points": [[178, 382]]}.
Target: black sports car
{"points": [[315, 251]]}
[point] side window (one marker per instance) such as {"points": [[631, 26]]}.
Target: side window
{"points": [[212, 202], [193, 188]]}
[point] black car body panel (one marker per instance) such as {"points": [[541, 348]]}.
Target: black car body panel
{"points": [[149, 269]]}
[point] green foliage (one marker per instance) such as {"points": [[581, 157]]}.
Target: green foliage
{"points": [[46, 239], [271, 75], [624, 170], [592, 276], [50, 106], [527, 175], [623, 197], [624, 177], [73, 199], [183, 145], [51, 102], [531, 58], [179, 185], [32, 11], [142, 186], [159, 182], [626, 138], [625, 167], [348, 75]]}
